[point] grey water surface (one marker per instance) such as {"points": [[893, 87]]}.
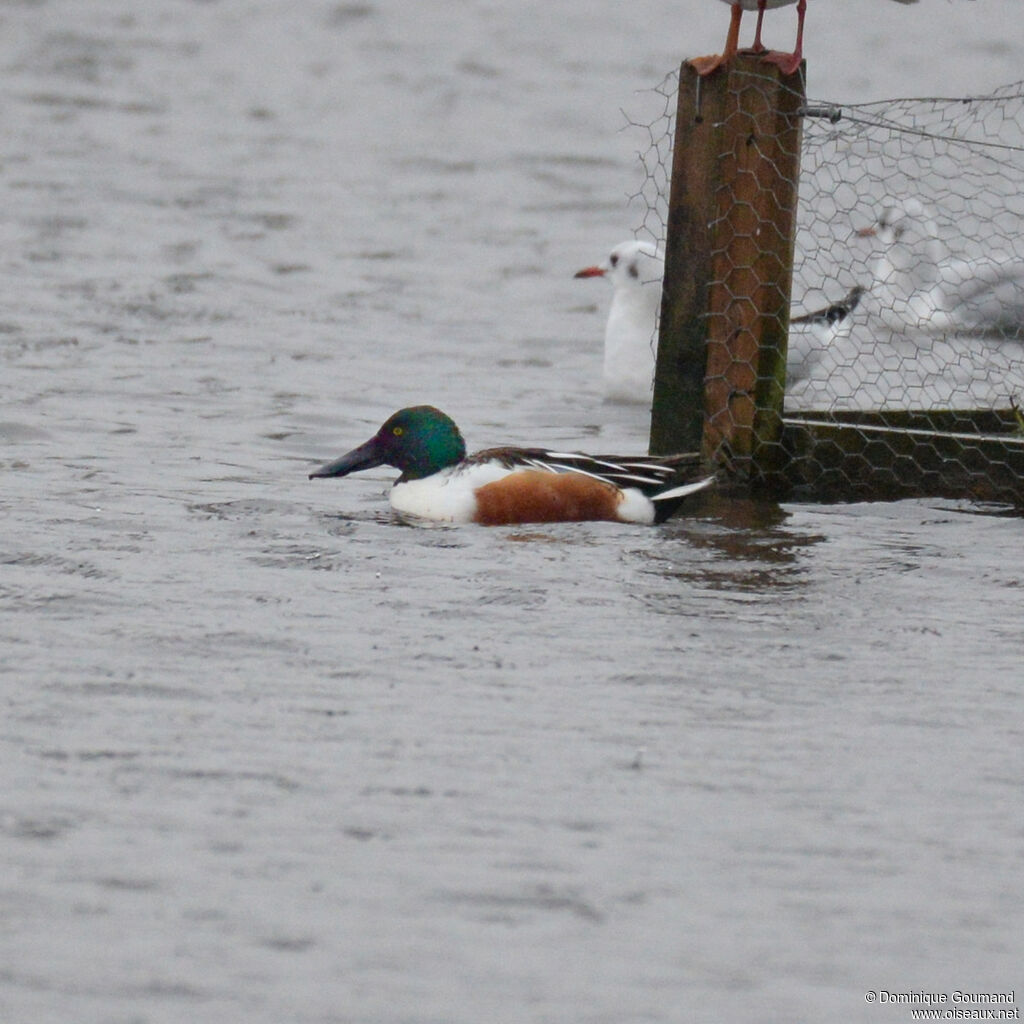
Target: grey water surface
{"points": [[268, 755]]}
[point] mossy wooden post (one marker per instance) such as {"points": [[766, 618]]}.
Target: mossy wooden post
{"points": [[721, 368]]}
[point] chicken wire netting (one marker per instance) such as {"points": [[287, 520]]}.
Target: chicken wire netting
{"points": [[907, 308]]}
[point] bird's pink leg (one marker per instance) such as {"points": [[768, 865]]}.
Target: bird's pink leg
{"points": [[758, 46], [705, 65], [789, 63]]}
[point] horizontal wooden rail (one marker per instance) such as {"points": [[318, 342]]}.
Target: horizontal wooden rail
{"points": [[864, 458]]}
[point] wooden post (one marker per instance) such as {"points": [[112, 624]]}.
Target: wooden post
{"points": [[721, 367]]}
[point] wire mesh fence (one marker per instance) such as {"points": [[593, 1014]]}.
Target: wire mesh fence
{"points": [[907, 305]]}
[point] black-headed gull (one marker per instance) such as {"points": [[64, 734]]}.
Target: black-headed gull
{"points": [[635, 270], [788, 62], [918, 286]]}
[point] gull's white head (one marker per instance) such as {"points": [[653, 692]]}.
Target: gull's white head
{"points": [[630, 264], [909, 250], [909, 239]]}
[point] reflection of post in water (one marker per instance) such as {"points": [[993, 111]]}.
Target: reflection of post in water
{"points": [[721, 366]]}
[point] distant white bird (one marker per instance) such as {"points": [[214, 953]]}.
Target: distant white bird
{"points": [[788, 62], [918, 286], [635, 270]]}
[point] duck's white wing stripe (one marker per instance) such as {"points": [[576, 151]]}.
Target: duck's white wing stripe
{"points": [[605, 469], [559, 467], [684, 489]]}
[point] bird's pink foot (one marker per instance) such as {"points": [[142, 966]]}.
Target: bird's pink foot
{"points": [[704, 66], [789, 63]]}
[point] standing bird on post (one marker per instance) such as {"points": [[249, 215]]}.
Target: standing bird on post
{"points": [[788, 62]]}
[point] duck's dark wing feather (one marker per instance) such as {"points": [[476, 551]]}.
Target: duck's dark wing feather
{"points": [[648, 473]]}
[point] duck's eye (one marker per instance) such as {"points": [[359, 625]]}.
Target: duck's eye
{"points": [[613, 259], [397, 431]]}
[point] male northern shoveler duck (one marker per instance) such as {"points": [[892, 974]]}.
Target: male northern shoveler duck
{"points": [[504, 486], [788, 62], [635, 270]]}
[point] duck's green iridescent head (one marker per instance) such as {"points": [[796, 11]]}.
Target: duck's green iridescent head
{"points": [[420, 441]]}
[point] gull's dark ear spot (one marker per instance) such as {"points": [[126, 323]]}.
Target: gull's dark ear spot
{"points": [[634, 271]]}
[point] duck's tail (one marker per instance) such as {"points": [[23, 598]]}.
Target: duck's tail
{"points": [[691, 476]]}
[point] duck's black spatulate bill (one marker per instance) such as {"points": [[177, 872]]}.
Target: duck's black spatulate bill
{"points": [[366, 456]]}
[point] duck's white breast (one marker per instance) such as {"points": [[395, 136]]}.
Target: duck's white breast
{"points": [[448, 496]]}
